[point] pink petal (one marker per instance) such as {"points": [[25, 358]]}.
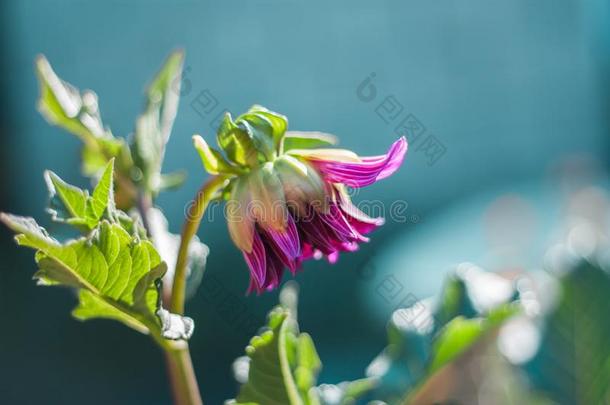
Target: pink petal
{"points": [[257, 262], [365, 172], [285, 244]]}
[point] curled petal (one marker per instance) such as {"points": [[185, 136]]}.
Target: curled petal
{"points": [[285, 244], [257, 262], [361, 222], [365, 171]]}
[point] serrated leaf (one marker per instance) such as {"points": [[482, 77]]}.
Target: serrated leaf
{"points": [[76, 207], [107, 266], [117, 274], [67, 203], [283, 365], [153, 127]]}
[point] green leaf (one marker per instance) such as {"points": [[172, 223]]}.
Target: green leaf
{"points": [[62, 104], [270, 378], [118, 273], [106, 268], [153, 127], [307, 140], [65, 106], [460, 334], [284, 363], [572, 364], [76, 207], [77, 112], [427, 336], [173, 180]]}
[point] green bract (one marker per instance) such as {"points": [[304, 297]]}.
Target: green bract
{"points": [[253, 139], [115, 269]]}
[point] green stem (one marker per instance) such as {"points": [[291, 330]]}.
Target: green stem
{"points": [[181, 373], [191, 225], [185, 390]]}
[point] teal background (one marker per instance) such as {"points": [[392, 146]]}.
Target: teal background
{"points": [[508, 87]]}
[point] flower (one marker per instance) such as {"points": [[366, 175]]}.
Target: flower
{"points": [[287, 197]]}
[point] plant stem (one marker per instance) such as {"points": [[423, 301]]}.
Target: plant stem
{"points": [[191, 225], [180, 370], [183, 382]]}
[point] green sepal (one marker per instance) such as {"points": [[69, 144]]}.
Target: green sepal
{"points": [[266, 128], [236, 142], [307, 140], [213, 161]]}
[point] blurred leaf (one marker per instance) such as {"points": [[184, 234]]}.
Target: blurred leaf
{"points": [[345, 393], [62, 104], [65, 106], [426, 337], [460, 334], [572, 364], [153, 127]]}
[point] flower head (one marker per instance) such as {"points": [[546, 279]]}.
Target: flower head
{"points": [[287, 197]]}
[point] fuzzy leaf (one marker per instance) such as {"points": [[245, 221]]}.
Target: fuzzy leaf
{"points": [[117, 273], [76, 207], [283, 365]]}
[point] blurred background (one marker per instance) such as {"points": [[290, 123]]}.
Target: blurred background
{"points": [[505, 105]]}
